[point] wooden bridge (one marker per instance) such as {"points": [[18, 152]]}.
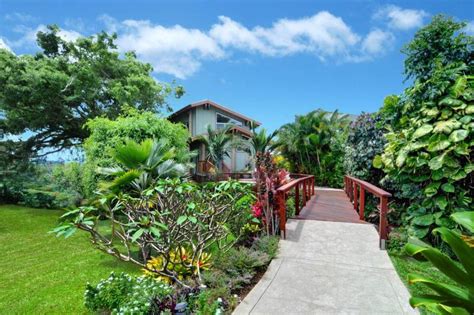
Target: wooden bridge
{"points": [[333, 205]]}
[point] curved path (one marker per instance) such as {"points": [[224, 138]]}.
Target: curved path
{"points": [[327, 267]]}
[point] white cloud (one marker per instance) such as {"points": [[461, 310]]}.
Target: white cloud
{"points": [[3, 45], [469, 28], [402, 19], [28, 37], [377, 42], [322, 34], [174, 50]]}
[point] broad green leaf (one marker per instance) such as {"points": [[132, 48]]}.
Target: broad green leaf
{"points": [[470, 109], [465, 218], [424, 220], [462, 251], [458, 135], [441, 202], [459, 175], [432, 189], [446, 126], [437, 175], [377, 162], [439, 260], [155, 232], [192, 219], [448, 187], [402, 155], [438, 146], [437, 162], [449, 101], [469, 168], [423, 130]]}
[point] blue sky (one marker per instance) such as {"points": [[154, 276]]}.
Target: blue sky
{"points": [[269, 60]]}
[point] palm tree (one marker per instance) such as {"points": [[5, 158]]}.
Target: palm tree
{"points": [[261, 142], [141, 164], [218, 145], [308, 142]]}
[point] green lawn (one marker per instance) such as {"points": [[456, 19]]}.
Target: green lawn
{"points": [[42, 274]]}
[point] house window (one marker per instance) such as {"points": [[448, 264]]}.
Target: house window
{"points": [[224, 121]]}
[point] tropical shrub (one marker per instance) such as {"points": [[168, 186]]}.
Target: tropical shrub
{"points": [[431, 155], [314, 144], [365, 140], [140, 165], [170, 216], [125, 294], [106, 134], [448, 299]]}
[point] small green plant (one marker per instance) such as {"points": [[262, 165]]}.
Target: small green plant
{"points": [[449, 299], [267, 245], [125, 294]]}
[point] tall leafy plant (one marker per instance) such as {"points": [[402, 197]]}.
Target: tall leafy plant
{"points": [[447, 298], [218, 144], [313, 144], [140, 165], [432, 151]]}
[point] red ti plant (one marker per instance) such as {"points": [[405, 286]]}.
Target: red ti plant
{"points": [[268, 177]]}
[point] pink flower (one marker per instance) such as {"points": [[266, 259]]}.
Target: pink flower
{"points": [[257, 209]]}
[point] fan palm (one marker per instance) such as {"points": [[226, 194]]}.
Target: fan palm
{"points": [[141, 164]]}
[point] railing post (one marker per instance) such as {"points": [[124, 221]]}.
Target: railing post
{"points": [[282, 211], [304, 193], [313, 183], [355, 196], [362, 203], [383, 221], [297, 199]]}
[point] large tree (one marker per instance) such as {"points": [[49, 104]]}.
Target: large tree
{"points": [[47, 97]]}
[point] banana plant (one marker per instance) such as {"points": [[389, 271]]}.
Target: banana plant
{"points": [[449, 299]]}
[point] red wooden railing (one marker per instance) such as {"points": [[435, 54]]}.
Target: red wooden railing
{"points": [[355, 189], [299, 181]]}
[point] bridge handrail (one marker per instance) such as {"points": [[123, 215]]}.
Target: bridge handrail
{"points": [[307, 183], [355, 189]]}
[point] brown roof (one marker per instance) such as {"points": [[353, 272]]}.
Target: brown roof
{"points": [[220, 107]]}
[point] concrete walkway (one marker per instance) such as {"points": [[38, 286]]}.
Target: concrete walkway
{"points": [[329, 268]]}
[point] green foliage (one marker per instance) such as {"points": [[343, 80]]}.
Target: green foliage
{"points": [[140, 165], [431, 153], [261, 142], [441, 41], [267, 245], [449, 299], [56, 91], [106, 135], [169, 216], [313, 144], [364, 141], [124, 294], [218, 145]]}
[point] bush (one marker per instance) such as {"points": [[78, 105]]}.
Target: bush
{"points": [[163, 222], [125, 294], [267, 245], [106, 134], [364, 141], [214, 301]]}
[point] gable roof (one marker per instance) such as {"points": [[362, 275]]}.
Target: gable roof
{"points": [[215, 105]]}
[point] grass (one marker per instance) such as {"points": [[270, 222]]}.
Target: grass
{"points": [[405, 265], [42, 274]]}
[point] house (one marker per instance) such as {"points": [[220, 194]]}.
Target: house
{"points": [[197, 116]]}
